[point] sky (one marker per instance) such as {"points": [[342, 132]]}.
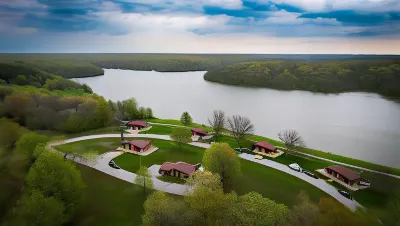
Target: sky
{"points": [[201, 26]]}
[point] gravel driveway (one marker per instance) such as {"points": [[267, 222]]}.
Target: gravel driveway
{"points": [[319, 183]]}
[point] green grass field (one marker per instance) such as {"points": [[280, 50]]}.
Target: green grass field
{"points": [[108, 200], [273, 184]]}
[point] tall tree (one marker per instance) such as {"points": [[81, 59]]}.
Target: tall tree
{"points": [[141, 113], [143, 178], [217, 122], [55, 177], [186, 119], [36, 209], [304, 213], [291, 139], [205, 179], [130, 108], [221, 159], [10, 133], [149, 113], [240, 127], [255, 210], [162, 209], [181, 136]]}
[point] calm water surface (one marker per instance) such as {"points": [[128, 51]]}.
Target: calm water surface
{"points": [[359, 125]]}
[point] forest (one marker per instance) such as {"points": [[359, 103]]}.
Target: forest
{"points": [[316, 73], [378, 76]]}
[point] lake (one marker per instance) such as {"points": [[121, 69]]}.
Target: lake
{"points": [[359, 125]]}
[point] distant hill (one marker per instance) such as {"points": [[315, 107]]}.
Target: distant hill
{"points": [[380, 76]]}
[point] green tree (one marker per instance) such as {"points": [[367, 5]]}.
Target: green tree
{"points": [[28, 142], [221, 159], [130, 108], [55, 177], [181, 136], [162, 209], [20, 80], [209, 206], [144, 179], [253, 209], [141, 113], [149, 113], [87, 88], [304, 213], [205, 179], [10, 133], [39, 210], [186, 119]]}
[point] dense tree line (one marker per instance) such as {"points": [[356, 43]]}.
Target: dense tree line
{"points": [[129, 110], [371, 76], [39, 111], [21, 73]]}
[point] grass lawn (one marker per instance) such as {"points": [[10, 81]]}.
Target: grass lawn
{"points": [[178, 123], [339, 158], [162, 130], [171, 179], [98, 145], [273, 184], [108, 200]]}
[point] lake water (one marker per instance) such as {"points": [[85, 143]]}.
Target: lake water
{"points": [[359, 125]]}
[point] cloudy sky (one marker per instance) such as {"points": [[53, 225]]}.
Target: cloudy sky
{"points": [[201, 26]]}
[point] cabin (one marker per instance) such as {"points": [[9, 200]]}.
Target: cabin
{"points": [[199, 133], [136, 125], [178, 169], [137, 145], [346, 176], [264, 147]]}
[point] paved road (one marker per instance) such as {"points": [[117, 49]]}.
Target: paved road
{"points": [[345, 164], [319, 183], [102, 165]]}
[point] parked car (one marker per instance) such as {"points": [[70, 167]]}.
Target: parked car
{"points": [[113, 165], [295, 166], [242, 149], [259, 157], [308, 173], [346, 194]]}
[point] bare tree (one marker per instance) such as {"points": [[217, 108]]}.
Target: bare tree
{"points": [[240, 127], [292, 139], [217, 122]]}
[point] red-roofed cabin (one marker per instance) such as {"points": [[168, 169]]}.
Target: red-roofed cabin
{"points": [[137, 145], [199, 132], [347, 176], [264, 147], [136, 125], [179, 169]]}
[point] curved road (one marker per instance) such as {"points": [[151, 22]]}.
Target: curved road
{"points": [[103, 160]]}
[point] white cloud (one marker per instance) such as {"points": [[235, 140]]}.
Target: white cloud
{"points": [[357, 5], [22, 4], [285, 17], [195, 4], [138, 22]]}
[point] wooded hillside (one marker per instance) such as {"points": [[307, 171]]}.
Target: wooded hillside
{"points": [[379, 76]]}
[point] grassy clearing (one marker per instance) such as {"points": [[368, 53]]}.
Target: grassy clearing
{"points": [[334, 157], [171, 179], [162, 130], [273, 184], [178, 123], [98, 145], [108, 200]]}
